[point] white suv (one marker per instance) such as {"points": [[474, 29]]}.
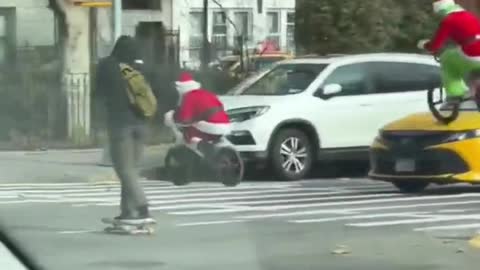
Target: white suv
{"points": [[326, 108]]}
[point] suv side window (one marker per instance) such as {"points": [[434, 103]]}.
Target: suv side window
{"points": [[355, 79], [394, 77]]}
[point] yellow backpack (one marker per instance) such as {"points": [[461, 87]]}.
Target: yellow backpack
{"points": [[139, 91]]}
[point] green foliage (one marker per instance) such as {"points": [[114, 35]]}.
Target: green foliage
{"points": [[346, 26]]}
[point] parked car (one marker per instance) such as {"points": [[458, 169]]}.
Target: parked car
{"points": [[329, 108], [416, 151], [252, 64]]}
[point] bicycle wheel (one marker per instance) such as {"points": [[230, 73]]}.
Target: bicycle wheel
{"points": [[447, 116], [229, 167]]}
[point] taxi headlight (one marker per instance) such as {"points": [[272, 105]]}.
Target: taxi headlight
{"points": [[461, 136]]}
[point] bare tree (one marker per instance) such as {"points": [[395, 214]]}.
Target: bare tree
{"points": [[76, 66]]}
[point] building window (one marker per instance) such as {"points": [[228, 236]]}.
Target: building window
{"points": [[3, 39], [196, 35], [219, 31], [291, 31], [273, 26], [142, 4], [7, 35], [244, 25]]}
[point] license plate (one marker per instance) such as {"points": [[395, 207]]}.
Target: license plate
{"points": [[405, 165]]}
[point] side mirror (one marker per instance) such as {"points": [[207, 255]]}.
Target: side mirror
{"points": [[332, 89]]}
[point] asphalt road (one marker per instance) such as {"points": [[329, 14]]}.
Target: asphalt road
{"points": [[258, 225]]}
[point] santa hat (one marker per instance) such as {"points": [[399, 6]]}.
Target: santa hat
{"points": [[446, 7], [186, 83]]}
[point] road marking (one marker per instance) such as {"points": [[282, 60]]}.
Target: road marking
{"points": [[199, 206], [350, 210], [78, 232], [414, 221], [449, 227], [289, 207], [319, 199], [372, 216], [219, 222], [234, 198]]}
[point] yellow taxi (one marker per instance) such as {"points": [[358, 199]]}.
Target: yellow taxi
{"points": [[252, 64], [418, 150]]}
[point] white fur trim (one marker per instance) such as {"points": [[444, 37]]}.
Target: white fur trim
{"points": [[442, 4], [168, 119], [185, 87], [472, 58], [213, 128]]}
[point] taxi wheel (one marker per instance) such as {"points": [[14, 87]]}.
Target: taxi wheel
{"points": [[411, 186]]}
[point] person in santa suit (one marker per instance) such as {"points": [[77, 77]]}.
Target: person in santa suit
{"points": [[200, 113], [463, 28]]}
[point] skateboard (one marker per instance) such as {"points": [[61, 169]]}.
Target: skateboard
{"points": [[122, 227]]}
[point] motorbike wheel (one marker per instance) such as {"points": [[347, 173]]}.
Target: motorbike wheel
{"points": [[179, 169], [229, 167]]}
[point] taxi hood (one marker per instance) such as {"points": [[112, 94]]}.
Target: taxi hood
{"points": [[426, 122]]}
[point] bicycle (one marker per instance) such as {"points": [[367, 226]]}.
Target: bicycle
{"points": [[453, 104], [214, 159]]}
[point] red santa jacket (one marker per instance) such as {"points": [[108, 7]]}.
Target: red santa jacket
{"points": [[204, 111], [463, 28]]}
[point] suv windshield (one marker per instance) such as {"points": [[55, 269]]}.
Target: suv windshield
{"points": [[286, 79]]}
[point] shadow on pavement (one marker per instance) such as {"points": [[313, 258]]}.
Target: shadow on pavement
{"points": [[322, 171]]}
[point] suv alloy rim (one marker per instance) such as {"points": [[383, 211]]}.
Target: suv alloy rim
{"points": [[294, 155]]}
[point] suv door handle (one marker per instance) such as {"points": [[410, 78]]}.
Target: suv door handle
{"points": [[365, 105]]}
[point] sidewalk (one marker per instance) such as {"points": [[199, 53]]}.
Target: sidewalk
{"points": [[66, 165]]}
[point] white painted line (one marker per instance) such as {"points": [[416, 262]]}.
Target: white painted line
{"points": [[219, 222], [60, 200], [233, 198], [214, 211], [199, 206], [449, 227], [77, 232], [41, 184], [168, 193], [297, 206], [354, 210], [452, 211], [8, 196], [318, 199], [322, 220], [414, 221]]}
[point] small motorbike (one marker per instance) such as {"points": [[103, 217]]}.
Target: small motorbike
{"points": [[213, 160]]}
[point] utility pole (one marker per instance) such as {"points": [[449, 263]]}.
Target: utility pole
{"points": [[206, 46]]}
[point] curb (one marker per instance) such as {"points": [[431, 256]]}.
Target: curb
{"points": [[72, 151]]}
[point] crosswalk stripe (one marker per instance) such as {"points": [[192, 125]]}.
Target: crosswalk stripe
{"points": [[354, 210], [233, 198], [297, 206], [414, 221], [370, 216], [218, 222], [449, 227]]}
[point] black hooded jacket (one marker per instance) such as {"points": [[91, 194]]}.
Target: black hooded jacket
{"points": [[111, 87]]}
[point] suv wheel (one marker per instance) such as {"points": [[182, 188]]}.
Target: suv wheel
{"points": [[291, 154]]}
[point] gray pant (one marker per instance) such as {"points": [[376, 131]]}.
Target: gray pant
{"points": [[126, 149]]}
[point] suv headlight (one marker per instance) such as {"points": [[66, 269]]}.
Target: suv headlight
{"points": [[247, 113]]}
